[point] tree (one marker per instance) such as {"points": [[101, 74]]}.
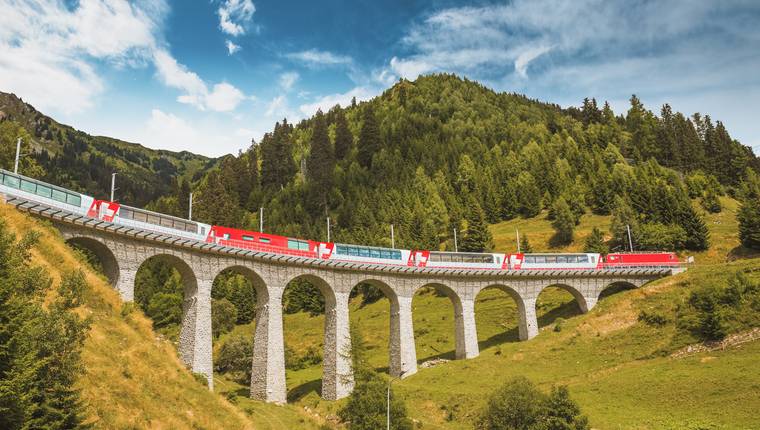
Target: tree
{"points": [[320, 163], [369, 138], [564, 223], [344, 140], [595, 242], [710, 201], [165, 309], [525, 245], [477, 238], [528, 195], [277, 164], [623, 218], [223, 317], [562, 413], [749, 212], [235, 357]]}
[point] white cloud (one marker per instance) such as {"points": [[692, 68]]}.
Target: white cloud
{"points": [[288, 79], [343, 99], [235, 16], [168, 131], [231, 47], [51, 53], [317, 58], [277, 107]]}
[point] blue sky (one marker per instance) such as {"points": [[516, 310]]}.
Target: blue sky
{"points": [[207, 76]]}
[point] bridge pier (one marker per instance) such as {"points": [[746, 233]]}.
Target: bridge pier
{"points": [[466, 329], [268, 367], [587, 303], [195, 339], [528, 328], [403, 360], [337, 374], [125, 284]]}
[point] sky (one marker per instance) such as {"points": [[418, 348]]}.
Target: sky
{"points": [[209, 76]]}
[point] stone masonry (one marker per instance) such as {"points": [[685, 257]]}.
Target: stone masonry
{"points": [[122, 251]]}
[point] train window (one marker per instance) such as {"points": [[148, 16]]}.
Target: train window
{"points": [[28, 186], [72, 199], [264, 240], [363, 252], [153, 219], [397, 255], [374, 253], [139, 216], [550, 259], [44, 191], [583, 258], [226, 236], [167, 222], [203, 231], [59, 196], [11, 181], [592, 260], [341, 250], [250, 238]]}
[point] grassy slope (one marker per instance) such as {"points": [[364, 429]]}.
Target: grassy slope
{"points": [[133, 379], [614, 365]]}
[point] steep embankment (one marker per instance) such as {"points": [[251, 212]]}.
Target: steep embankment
{"points": [[132, 378]]}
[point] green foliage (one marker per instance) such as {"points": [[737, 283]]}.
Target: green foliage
{"points": [[563, 224], [653, 318], [301, 296], [320, 163], [714, 311], [519, 405], [525, 246], [239, 290], [595, 242], [367, 406], [344, 140], [40, 345], [369, 137], [276, 152], [235, 357], [659, 237], [477, 238], [165, 309], [223, 316], [749, 213]]}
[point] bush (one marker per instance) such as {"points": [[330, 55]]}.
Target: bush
{"points": [[366, 408], [653, 318], [235, 358], [559, 323], [519, 405]]}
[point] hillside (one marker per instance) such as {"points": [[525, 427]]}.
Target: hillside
{"points": [[132, 377], [79, 161], [623, 371]]}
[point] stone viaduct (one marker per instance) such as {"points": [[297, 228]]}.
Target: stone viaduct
{"points": [[122, 250]]}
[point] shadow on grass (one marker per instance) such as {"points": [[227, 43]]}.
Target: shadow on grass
{"points": [[741, 253], [301, 391], [566, 310], [511, 335], [614, 289]]}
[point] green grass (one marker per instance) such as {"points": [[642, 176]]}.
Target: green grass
{"points": [[620, 370]]}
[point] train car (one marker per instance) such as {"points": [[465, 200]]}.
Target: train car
{"points": [[459, 260], [147, 220], [23, 187], [641, 259], [264, 242], [366, 254], [586, 261]]}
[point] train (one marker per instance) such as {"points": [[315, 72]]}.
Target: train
{"points": [[16, 185]]}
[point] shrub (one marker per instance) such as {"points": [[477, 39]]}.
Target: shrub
{"points": [[366, 408], [519, 405], [559, 324], [235, 358], [653, 318], [165, 309]]}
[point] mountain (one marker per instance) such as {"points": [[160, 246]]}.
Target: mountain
{"points": [[77, 160]]}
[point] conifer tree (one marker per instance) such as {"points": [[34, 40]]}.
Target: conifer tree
{"points": [[525, 246], [477, 238], [320, 163], [528, 195], [344, 140], [697, 234], [595, 242], [369, 138], [277, 164], [564, 222], [623, 217], [749, 212]]}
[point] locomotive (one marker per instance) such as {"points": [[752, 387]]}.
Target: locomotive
{"points": [[31, 189]]}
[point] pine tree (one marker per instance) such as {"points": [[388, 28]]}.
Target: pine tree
{"points": [[277, 164], [525, 246], [477, 238], [528, 195], [564, 223], [369, 138], [623, 217], [595, 242], [320, 163], [749, 212], [344, 140]]}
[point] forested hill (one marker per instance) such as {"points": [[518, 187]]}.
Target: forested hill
{"points": [[442, 153], [74, 159]]}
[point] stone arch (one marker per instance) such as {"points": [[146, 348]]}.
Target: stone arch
{"points": [[465, 333], [337, 379], [616, 287], [527, 326], [104, 255], [582, 301], [401, 350]]}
